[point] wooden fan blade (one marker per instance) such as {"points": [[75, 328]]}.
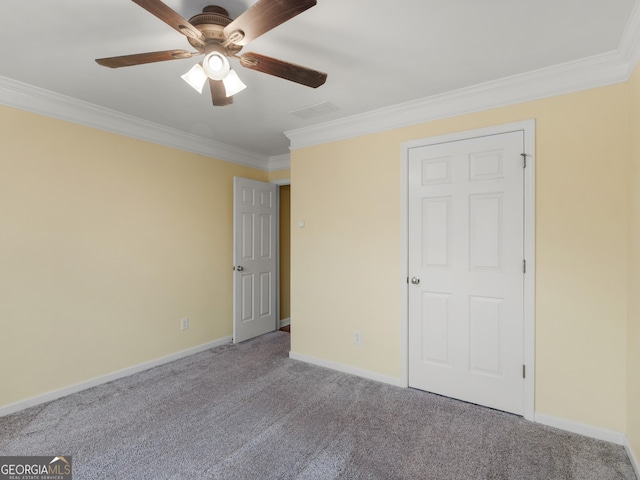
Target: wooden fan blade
{"points": [[142, 58], [286, 70], [171, 18], [219, 94], [262, 17]]}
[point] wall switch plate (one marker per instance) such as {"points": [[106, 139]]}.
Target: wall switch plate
{"points": [[184, 323], [357, 338]]}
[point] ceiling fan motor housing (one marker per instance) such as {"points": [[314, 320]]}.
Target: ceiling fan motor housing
{"points": [[211, 23]]}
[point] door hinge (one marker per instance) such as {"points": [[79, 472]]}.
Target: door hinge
{"points": [[524, 266], [524, 160], [524, 371]]}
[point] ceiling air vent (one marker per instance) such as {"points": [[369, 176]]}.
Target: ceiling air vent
{"points": [[313, 111]]}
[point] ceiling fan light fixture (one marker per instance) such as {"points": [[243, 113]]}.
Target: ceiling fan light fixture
{"points": [[217, 36], [216, 65], [196, 77], [233, 84]]}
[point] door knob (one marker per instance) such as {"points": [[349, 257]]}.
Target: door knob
{"points": [[239, 268], [415, 280]]}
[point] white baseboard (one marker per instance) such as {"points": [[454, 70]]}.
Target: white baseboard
{"points": [[581, 429], [569, 426], [347, 369], [574, 427], [284, 322], [632, 457], [49, 396]]}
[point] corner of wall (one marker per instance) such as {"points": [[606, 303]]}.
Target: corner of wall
{"points": [[632, 456], [632, 442]]}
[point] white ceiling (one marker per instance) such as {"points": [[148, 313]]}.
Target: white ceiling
{"points": [[376, 53]]}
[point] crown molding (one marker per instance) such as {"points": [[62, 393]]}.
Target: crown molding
{"points": [[591, 72], [597, 71], [281, 162], [630, 42], [44, 102]]}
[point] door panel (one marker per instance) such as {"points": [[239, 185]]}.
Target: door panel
{"points": [[435, 328], [485, 231], [255, 256], [466, 244], [485, 329], [436, 240]]}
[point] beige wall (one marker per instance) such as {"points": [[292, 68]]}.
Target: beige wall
{"points": [[279, 175], [633, 334], [105, 243], [346, 262]]}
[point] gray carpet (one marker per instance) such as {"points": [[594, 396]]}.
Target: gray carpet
{"points": [[249, 412]]}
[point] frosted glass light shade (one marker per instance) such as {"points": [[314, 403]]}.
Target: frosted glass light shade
{"points": [[196, 77], [233, 84], [216, 66]]}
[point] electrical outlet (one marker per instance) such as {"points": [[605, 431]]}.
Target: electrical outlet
{"points": [[184, 323], [357, 338]]}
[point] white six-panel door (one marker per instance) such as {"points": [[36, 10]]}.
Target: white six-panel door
{"points": [[466, 242], [255, 258]]}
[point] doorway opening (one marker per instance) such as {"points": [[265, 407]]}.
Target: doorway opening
{"points": [[285, 258]]}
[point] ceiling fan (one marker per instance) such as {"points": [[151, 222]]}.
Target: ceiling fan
{"points": [[214, 34]]}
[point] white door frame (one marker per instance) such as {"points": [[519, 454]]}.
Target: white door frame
{"points": [[528, 128], [280, 182]]}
